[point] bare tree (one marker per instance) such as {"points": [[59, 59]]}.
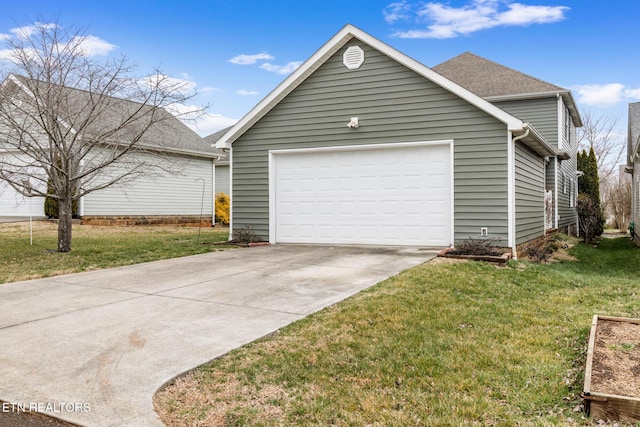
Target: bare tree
{"points": [[69, 124], [618, 203], [599, 132]]}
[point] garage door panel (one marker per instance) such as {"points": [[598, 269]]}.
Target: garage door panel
{"points": [[371, 195]]}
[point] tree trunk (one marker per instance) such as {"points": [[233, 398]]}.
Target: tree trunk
{"points": [[64, 224]]}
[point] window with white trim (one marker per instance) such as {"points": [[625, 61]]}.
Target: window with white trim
{"points": [[572, 195], [564, 183]]}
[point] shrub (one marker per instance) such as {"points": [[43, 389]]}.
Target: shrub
{"points": [[588, 218], [222, 208], [541, 251], [480, 247], [245, 235], [51, 206]]}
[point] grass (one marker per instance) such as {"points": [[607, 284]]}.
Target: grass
{"points": [[95, 247], [445, 343]]}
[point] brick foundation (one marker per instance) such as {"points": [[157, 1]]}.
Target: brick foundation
{"points": [[539, 241], [130, 220]]}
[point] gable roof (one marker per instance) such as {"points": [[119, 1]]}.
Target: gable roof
{"points": [[495, 82], [168, 134], [348, 32], [212, 139]]}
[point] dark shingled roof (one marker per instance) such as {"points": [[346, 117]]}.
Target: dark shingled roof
{"points": [[488, 79], [213, 138]]}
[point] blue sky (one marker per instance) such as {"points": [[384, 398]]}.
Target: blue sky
{"points": [[234, 52]]}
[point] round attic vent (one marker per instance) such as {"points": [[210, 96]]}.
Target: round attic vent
{"points": [[353, 57]]}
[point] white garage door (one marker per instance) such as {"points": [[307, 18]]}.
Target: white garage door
{"points": [[396, 194], [14, 204]]}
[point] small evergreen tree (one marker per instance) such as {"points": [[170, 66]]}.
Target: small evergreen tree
{"points": [[589, 186], [51, 206]]}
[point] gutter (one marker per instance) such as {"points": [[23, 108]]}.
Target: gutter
{"points": [[511, 209]]}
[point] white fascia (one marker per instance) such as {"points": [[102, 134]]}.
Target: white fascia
{"points": [[511, 195], [556, 215], [230, 193]]}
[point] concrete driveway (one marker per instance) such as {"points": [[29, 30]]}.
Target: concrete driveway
{"points": [[93, 348]]}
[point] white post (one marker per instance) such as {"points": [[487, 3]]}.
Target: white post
{"points": [[30, 223]]}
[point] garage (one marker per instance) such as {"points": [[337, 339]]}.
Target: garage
{"points": [[390, 194], [14, 204]]}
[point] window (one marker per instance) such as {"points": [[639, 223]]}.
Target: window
{"points": [[564, 183], [572, 195]]}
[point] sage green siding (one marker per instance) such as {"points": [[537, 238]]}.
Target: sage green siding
{"points": [[550, 117], [542, 113], [529, 185], [567, 214], [394, 104]]}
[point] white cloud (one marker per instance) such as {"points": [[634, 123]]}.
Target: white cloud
{"points": [[92, 45], [264, 56], [210, 89], [87, 45], [281, 69], [445, 21], [6, 54], [29, 30], [250, 59], [397, 11], [632, 94], [183, 84], [209, 123], [600, 95], [245, 92]]}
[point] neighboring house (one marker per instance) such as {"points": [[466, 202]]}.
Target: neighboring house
{"points": [[179, 190], [223, 183], [633, 164], [364, 145]]}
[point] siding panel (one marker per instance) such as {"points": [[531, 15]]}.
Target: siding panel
{"points": [[166, 194], [529, 183]]}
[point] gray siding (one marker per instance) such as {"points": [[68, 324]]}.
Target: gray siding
{"points": [[394, 104], [222, 179], [529, 186], [541, 113], [550, 181], [167, 194], [567, 213]]}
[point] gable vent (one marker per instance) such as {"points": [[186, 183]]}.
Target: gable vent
{"points": [[353, 58]]}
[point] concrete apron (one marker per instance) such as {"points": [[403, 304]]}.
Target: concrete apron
{"points": [[93, 348]]}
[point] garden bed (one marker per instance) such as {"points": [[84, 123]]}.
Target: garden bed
{"points": [[612, 374], [497, 257]]}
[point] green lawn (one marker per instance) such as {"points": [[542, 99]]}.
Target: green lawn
{"points": [[444, 343], [95, 247]]}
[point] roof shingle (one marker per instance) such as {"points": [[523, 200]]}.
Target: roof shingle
{"points": [[488, 79]]}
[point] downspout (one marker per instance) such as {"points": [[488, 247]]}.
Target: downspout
{"points": [[512, 190]]}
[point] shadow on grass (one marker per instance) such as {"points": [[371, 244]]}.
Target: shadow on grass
{"points": [[618, 257]]}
